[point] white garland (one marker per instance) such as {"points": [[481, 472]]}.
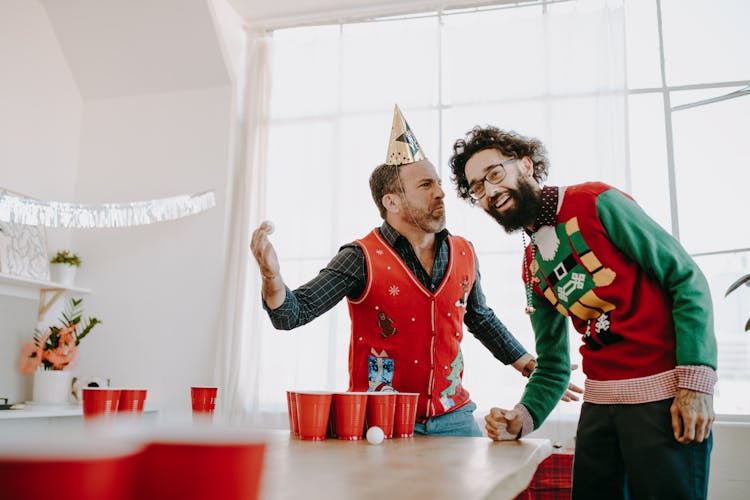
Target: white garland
{"points": [[19, 209]]}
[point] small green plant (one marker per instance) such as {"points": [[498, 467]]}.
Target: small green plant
{"points": [[65, 257], [744, 280]]}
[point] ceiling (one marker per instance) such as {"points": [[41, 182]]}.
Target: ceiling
{"points": [[280, 12], [135, 47], [262, 10], [131, 47]]}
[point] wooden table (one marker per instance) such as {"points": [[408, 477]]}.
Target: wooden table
{"points": [[418, 468]]}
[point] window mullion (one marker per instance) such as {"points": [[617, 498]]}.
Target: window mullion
{"points": [[671, 174]]}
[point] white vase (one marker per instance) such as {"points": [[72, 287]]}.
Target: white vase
{"points": [[64, 274], [52, 387]]}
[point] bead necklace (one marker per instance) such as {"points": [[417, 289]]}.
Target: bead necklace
{"points": [[527, 272]]}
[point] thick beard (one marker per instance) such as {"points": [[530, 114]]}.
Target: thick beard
{"points": [[424, 219], [526, 207]]}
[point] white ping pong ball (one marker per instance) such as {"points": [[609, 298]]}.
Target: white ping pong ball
{"points": [[269, 225], [375, 435]]}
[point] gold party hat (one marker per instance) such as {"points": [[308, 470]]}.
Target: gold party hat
{"points": [[403, 147]]}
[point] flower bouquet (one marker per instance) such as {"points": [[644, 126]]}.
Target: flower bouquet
{"points": [[57, 348]]}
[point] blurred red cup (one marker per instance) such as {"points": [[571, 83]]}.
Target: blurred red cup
{"points": [[331, 433], [100, 402], [203, 400], [381, 408], [207, 465], [349, 414], [313, 410], [291, 404], [89, 469], [406, 414], [131, 400]]}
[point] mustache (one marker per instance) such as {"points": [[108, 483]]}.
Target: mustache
{"points": [[512, 192]]}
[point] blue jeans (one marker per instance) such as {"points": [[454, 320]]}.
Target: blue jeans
{"points": [[459, 422], [629, 451]]}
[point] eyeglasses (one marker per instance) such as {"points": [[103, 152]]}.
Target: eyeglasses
{"points": [[494, 176]]}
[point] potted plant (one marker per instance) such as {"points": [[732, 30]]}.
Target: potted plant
{"points": [[744, 280], [53, 351], [63, 267]]}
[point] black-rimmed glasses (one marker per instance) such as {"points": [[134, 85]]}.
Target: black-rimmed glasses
{"points": [[494, 176]]}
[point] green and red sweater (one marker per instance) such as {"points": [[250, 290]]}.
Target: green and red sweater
{"points": [[638, 299]]}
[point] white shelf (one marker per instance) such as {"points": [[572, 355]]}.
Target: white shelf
{"points": [[50, 412], [72, 411], [18, 286], [46, 292]]}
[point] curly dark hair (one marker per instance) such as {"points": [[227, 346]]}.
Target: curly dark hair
{"points": [[383, 180], [509, 143]]}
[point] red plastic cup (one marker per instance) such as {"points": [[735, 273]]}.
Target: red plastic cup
{"points": [[132, 400], [349, 414], [381, 408], [406, 414], [313, 410], [195, 466], [204, 400], [291, 404], [100, 402], [331, 433], [91, 469]]}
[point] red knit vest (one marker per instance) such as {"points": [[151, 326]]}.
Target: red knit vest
{"points": [[407, 337]]}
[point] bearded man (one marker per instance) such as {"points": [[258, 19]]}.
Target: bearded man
{"points": [[640, 303]]}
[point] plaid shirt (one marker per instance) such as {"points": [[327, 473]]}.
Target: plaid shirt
{"points": [[346, 275]]}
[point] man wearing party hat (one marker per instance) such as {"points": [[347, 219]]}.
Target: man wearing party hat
{"points": [[410, 287]]}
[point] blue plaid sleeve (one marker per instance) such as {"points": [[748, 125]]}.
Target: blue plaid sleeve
{"points": [[345, 275]]}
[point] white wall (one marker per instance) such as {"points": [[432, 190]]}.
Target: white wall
{"points": [[157, 287], [40, 119], [729, 479], [97, 110], [40, 107]]}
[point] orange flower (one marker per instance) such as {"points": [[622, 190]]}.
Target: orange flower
{"points": [[65, 352], [57, 348], [31, 358], [58, 360], [67, 339]]}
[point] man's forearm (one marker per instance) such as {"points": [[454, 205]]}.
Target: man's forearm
{"points": [[273, 291]]}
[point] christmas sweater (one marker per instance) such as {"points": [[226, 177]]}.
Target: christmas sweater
{"points": [[407, 337], [639, 301]]}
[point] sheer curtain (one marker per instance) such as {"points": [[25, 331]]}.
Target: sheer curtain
{"points": [[554, 71], [239, 343]]}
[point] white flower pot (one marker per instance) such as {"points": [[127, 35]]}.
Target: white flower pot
{"points": [[63, 273], [52, 387]]}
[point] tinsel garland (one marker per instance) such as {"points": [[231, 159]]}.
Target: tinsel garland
{"points": [[19, 209]]}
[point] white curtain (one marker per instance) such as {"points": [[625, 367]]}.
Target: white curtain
{"points": [[556, 72], [237, 366]]}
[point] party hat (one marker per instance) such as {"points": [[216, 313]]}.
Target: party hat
{"points": [[403, 147]]}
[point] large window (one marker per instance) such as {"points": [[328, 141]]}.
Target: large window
{"points": [[706, 76], [604, 84]]}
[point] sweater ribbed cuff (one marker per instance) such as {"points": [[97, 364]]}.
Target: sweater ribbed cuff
{"points": [[528, 422], [699, 378]]}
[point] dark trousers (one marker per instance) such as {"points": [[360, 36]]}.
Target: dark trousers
{"points": [[629, 451]]}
